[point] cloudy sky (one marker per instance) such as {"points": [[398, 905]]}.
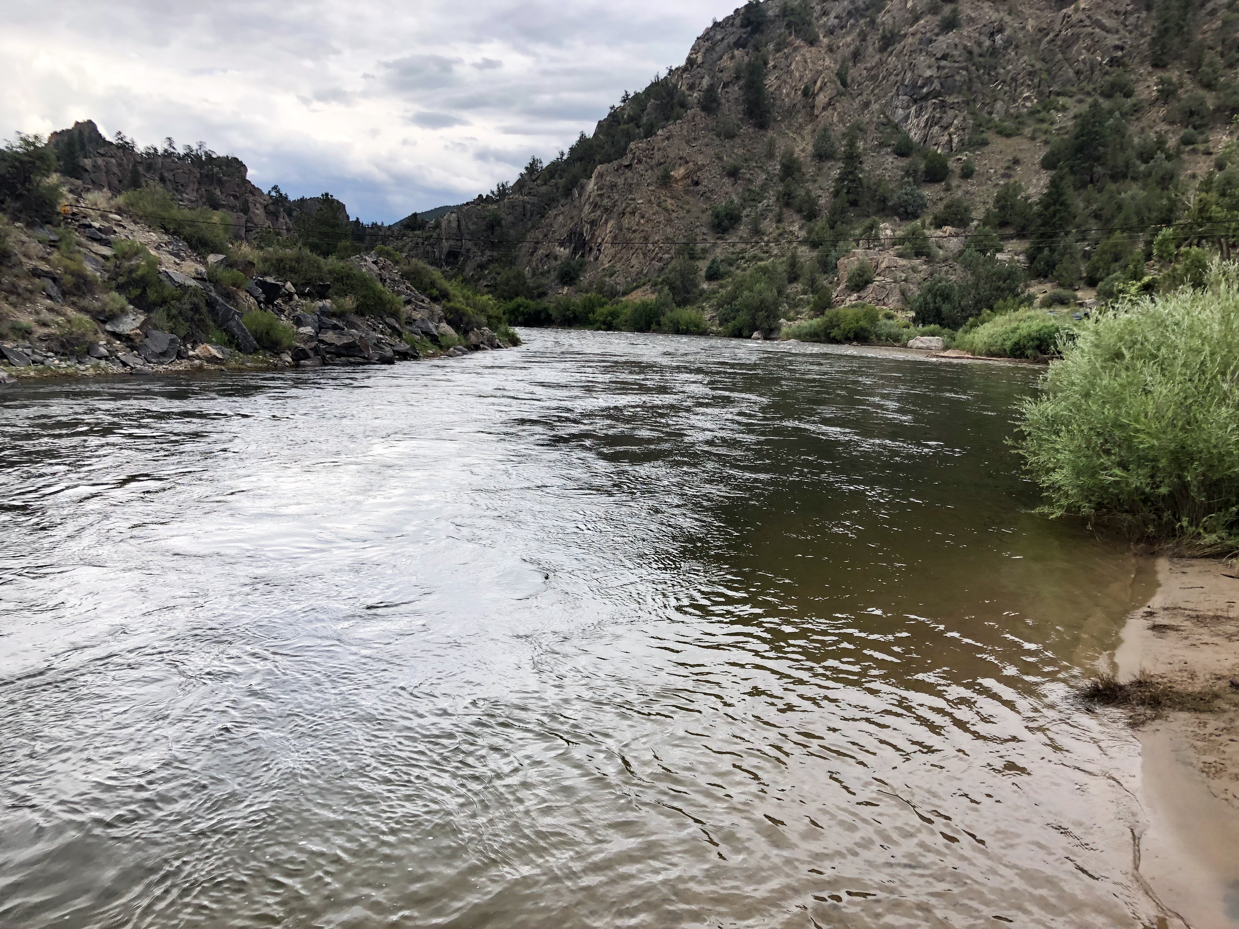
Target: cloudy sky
{"points": [[393, 107]]}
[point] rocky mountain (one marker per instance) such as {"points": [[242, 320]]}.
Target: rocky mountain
{"points": [[739, 154]]}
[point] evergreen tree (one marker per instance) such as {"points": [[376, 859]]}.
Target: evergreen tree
{"points": [[850, 181], [757, 105], [1051, 231]]}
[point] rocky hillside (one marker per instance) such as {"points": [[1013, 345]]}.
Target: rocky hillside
{"points": [[741, 154]]}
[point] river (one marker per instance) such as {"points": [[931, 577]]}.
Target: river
{"points": [[609, 630]]}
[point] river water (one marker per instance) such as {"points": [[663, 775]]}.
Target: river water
{"points": [[608, 630]]}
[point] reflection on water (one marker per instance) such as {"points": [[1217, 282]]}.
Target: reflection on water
{"points": [[610, 630]]}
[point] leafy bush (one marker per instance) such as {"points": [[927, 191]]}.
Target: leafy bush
{"points": [[682, 280], [824, 146], [1059, 298], [904, 145], [757, 105], [714, 270], [344, 279], [1021, 334], [861, 276], [426, 280], [955, 211], [269, 331], [937, 167], [225, 276], [951, 303], [846, 324], [967, 169], [570, 271], [26, 193], [752, 301], [950, 20], [75, 333], [1138, 425], [205, 231], [684, 321], [909, 201], [726, 217]]}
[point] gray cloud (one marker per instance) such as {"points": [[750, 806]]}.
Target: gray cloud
{"points": [[394, 108]]}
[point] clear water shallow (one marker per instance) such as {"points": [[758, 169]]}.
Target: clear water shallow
{"points": [[611, 630]]}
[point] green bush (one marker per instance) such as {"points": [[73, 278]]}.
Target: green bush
{"points": [[714, 270], [304, 268], [909, 201], [725, 217], [904, 145], [226, 277], [426, 280], [824, 146], [846, 324], [205, 231], [937, 167], [269, 331], [1138, 425], [861, 276], [955, 211], [1020, 334], [967, 169], [26, 193], [752, 301], [682, 280], [683, 321], [569, 271]]}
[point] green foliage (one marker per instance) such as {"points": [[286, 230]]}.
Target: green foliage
{"points": [[1118, 83], [954, 211], [753, 17], [205, 231], [709, 101], [1053, 221], [682, 281], [850, 181], [714, 270], [790, 166], [26, 193], [511, 284], [1098, 148], [135, 272], [937, 167], [861, 276], [569, 271], [324, 229], [1173, 28], [1023, 333], [757, 106], [225, 276], [909, 201], [1011, 208], [950, 20], [988, 283], [305, 268], [856, 323], [75, 333], [904, 145], [269, 331], [824, 145], [967, 169], [798, 15], [1138, 425], [1166, 89], [683, 321], [1191, 269], [1193, 111], [725, 217], [914, 242], [842, 73], [752, 301], [426, 280]]}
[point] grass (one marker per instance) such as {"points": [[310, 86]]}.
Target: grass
{"points": [[1138, 424], [205, 231], [1020, 334], [1145, 694], [269, 331]]}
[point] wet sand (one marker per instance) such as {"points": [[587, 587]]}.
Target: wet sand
{"points": [[1187, 639]]}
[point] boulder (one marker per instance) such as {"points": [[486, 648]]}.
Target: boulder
{"points": [[98, 350], [305, 321], [314, 362], [268, 290], [6, 378], [445, 331], [126, 323], [213, 260], [757, 336], [405, 352], [208, 353], [456, 352], [927, 343], [302, 353], [289, 289], [343, 344], [52, 292], [423, 328], [159, 348], [130, 360], [15, 357], [177, 279], [229, 321], [482, 338]]}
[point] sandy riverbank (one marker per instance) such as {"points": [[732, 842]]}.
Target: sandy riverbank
{"points": [[1186, 640]]}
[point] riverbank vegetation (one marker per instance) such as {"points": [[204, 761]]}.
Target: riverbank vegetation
{"points": [[1138, 424]]}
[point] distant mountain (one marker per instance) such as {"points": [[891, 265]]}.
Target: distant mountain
{"points": [[427, 216]]}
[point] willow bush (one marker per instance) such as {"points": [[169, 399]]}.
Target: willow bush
{"points": [[1138, 424]]}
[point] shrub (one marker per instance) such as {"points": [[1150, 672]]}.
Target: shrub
{"points": [[683, 321], [725, 217], [1020, 334], [914, 242], [225, 276], [75, 333], [570, 271], [861, 276], [967, 169], [709, 101], [682, 280], [904, 146], [1118, 84], [726, 128], [269, 331], [909, 201], [205, 231], [955, 211], [824, 145], [950, 20], [26, 191], [426, 280], [714, 270], [757, 105], [344, 279], [1059, 298], [1138, 425], [937, 167], [752, 301], [856, 323]]}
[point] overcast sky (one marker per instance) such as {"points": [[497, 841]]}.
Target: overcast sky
{"points": [[393, 107]]}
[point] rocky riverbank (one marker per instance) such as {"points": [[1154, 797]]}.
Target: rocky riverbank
{"points": [[106, 294]]}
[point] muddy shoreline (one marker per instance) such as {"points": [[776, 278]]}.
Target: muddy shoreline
{"points": [[1186, 640]]}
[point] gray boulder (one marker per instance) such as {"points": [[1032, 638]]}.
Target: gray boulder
{"points": [[177, 279], [344, 344], [229, 320], [53, 292], [126, 323], [482, 338], [130, 360], [423, 328], [159, 348], [268, 290], [15, 357], [927, 343], [6, 378], [98, 350], [305, 321]]}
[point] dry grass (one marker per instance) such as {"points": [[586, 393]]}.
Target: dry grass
{"points": [[1146, 695]]}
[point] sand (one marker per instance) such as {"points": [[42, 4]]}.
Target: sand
{"points": [[1187, 640]]}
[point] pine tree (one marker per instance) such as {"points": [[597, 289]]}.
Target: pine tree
{"points": [[1051, 232], [756, 98], [850, 181]]}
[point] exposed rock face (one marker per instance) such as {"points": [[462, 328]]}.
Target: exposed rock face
{"points": [[874, 65], [159, 348], [217, 183]]}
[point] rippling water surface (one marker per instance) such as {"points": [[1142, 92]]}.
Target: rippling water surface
{"points": [[610, 630]]}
